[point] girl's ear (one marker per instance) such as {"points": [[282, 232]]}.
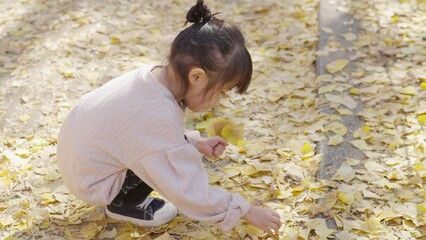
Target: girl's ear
{"points": [[197, 76]]}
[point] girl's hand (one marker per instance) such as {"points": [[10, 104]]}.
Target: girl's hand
{"points": [[211, 147], [264, 219]]}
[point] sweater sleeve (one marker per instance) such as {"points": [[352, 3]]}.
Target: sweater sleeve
{"points": [[192, 136], [179, 175]]}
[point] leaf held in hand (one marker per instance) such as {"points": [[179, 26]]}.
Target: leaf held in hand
{"points": [[227, 129]]}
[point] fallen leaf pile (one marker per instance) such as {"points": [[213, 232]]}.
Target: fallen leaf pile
{"points": [[54, 51]]}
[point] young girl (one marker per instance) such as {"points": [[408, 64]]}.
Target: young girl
{"points": [[126, 138]]}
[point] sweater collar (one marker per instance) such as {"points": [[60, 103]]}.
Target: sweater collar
{"points": [[154, 84]]}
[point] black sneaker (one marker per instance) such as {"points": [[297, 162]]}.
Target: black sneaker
{"points": [[152, 212]]}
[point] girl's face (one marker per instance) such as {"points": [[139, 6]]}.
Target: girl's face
{"points": [[197, 99]]}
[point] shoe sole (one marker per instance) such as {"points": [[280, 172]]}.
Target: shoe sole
{"points": [[145, 223]]}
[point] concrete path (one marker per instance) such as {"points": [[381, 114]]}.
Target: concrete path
{"points": [[331, 18], [333, 24]]}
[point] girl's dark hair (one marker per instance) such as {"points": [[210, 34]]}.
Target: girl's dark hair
{"points": [[214, 45]]}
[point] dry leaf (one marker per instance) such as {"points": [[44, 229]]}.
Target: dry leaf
{"points": [[342, 99], [93, 42], [165, 236], [337, 128], [335, 140], [227, 129], [360, 144], [337, 65]]}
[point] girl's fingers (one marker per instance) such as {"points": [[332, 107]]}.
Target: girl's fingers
{"points": [[210, 153], [220, 149], [267, 229], [274, 226], [275, 214], [217, 151], [276, 219], [221, 141]]}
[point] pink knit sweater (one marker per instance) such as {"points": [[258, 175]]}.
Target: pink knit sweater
{"points": [[133, 122]]}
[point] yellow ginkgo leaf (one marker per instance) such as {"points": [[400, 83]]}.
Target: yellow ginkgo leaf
{"points": [[337, 128], [123, 236], [253, 231], [215, 125], [337, 65], [388, 214], [320, 227], [241, 143], [24, 118], [5, 182], [109, 234], [354, 91], [418, 166], [246, 170], [327, 88], [308, 155], [350, 36], [228, 134], [208, 115], [6, 220], [275, 94], [422, 118], [346, 235], [115, 40], [306, 148], [361, 144], [335, 140], [202, 125], [344, 173], [423, 85], [358, 73], [345, 100], [410, 90], [366, 129], [165, 236], [227, 129], [421, 207], [24, 153], [347, 198], [373, 224], [90, 230]]}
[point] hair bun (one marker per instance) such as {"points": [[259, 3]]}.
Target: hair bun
{"points": [[199, 13]]}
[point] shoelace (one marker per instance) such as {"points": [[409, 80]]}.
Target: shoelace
{"points": [[145, 203]]}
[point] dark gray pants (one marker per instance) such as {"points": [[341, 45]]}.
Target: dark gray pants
{"points": [[133, 191]]}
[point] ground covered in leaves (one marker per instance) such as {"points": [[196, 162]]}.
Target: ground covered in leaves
{"points": [[52, 52]]}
